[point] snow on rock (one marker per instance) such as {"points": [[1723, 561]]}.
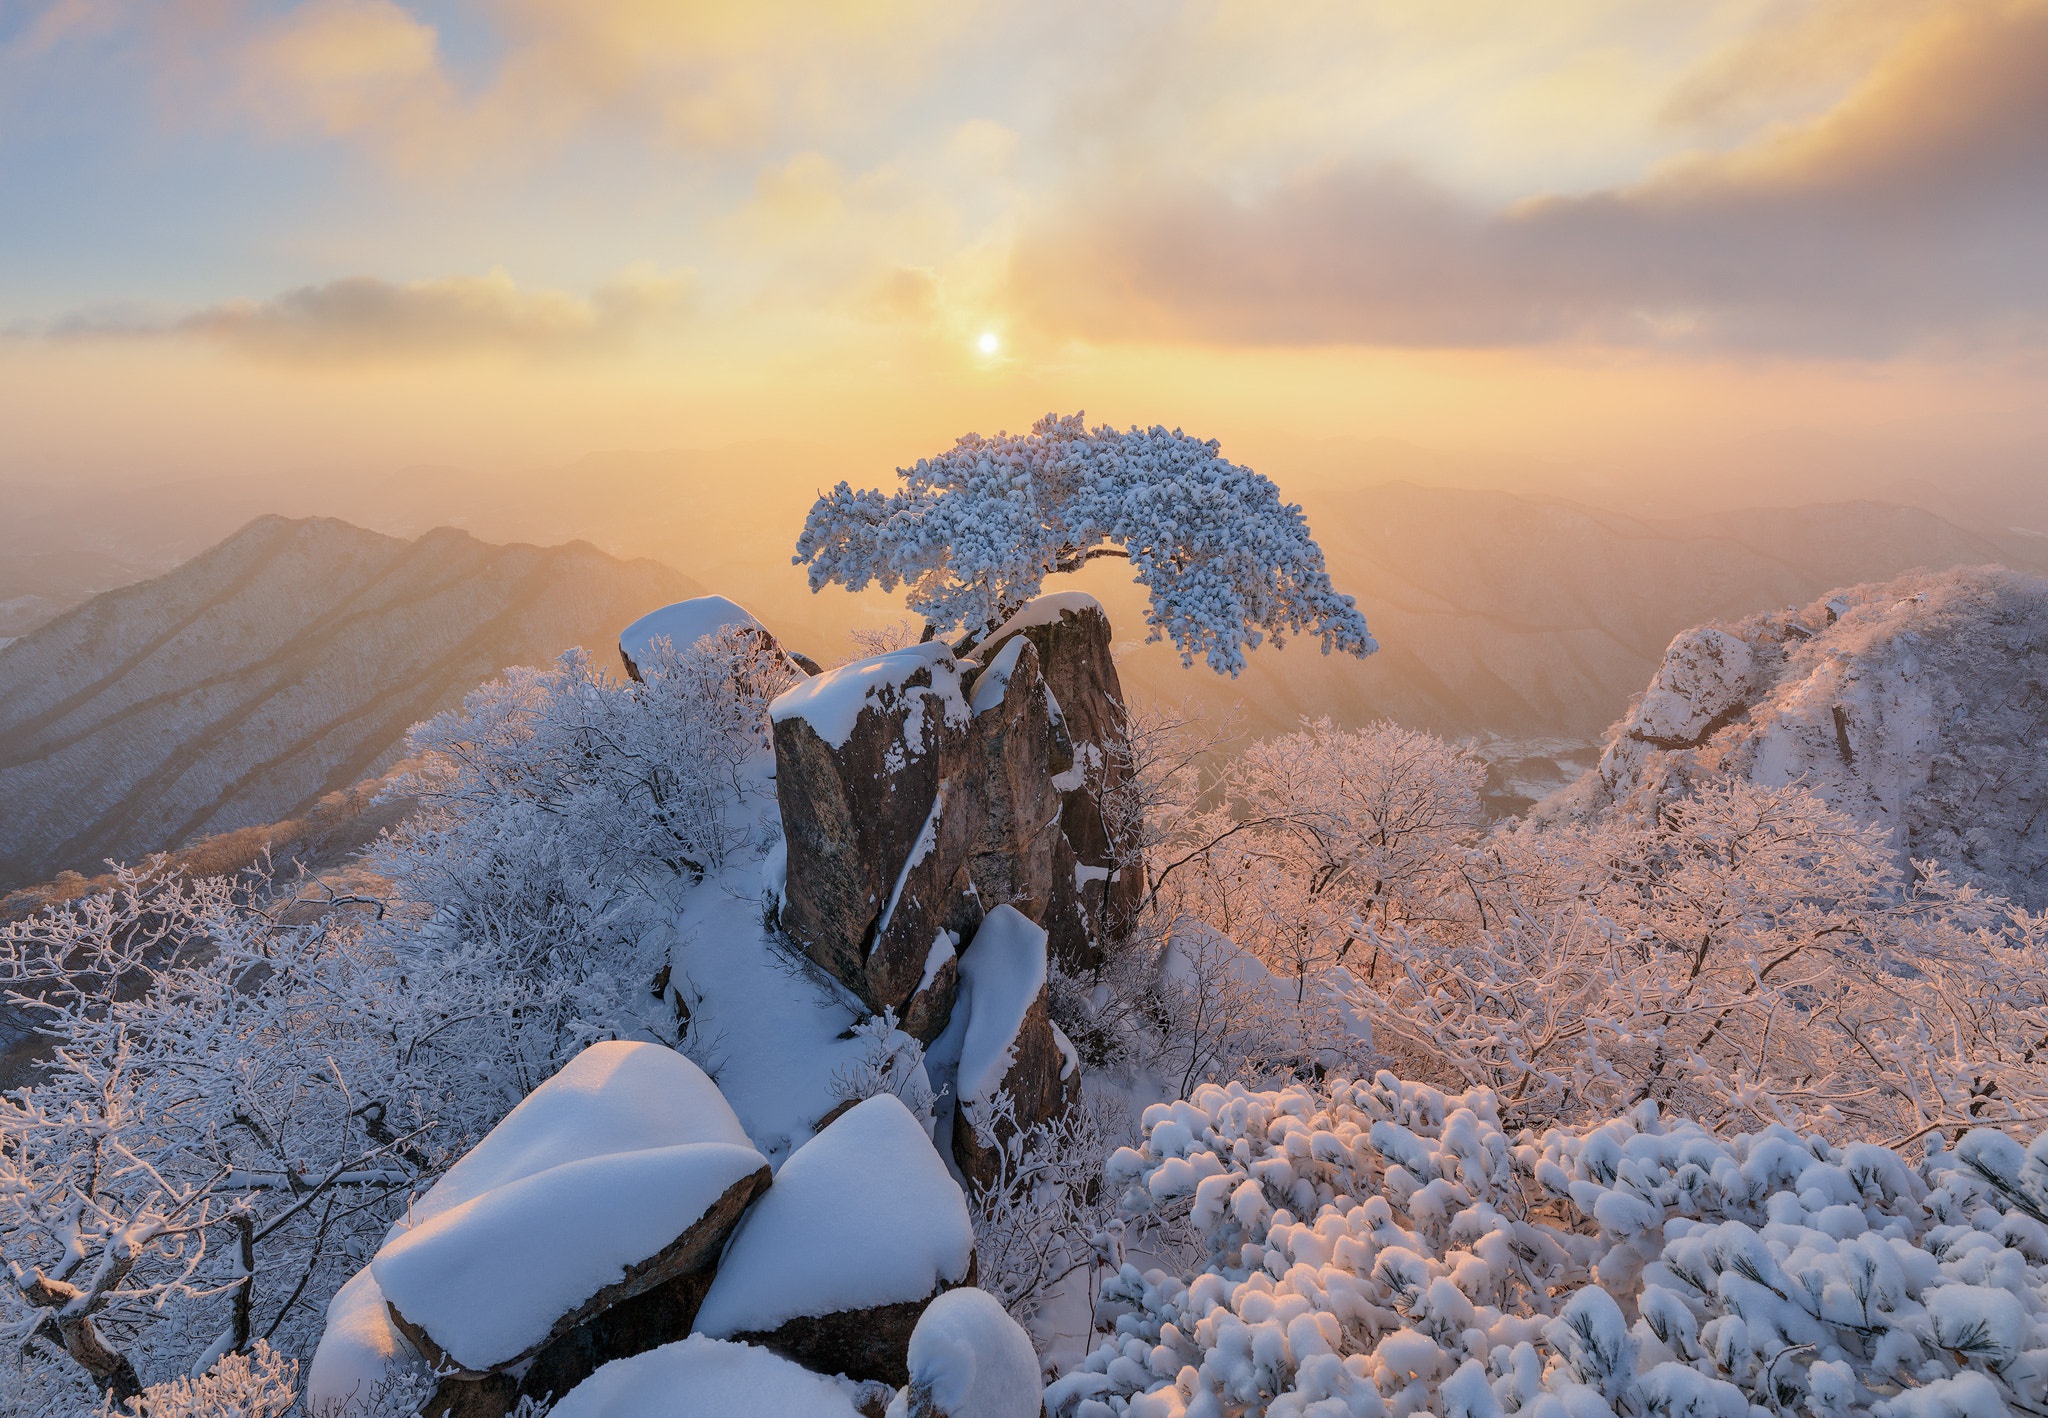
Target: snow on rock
{"points": [[832, 1265], [1010, 1049], [492, 1280], [1911, 704], [359, 1349], [681, 625], [700, 1377], [613, 1099], [969, 1359], [992, 682], [1045, 610], [831, 703], [1003, 974]]}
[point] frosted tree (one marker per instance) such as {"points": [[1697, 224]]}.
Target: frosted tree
{"points": [[974, 532]]}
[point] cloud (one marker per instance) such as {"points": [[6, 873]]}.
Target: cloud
{"points": [[363, 319], [706, 76], [1908, 213]]}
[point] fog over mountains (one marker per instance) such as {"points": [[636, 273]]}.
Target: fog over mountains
{"points": [[284, 664], [289, 660]]}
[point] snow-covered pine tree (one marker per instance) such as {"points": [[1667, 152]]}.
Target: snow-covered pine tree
{"points": [[974, 533]]}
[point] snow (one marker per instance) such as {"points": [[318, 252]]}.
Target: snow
{"points": [[1002, 974], [489, 1278], [682, 625], [701, 1377], [359, 1349], [994, 682], [975, 1360], [1044, 610], [863, 1214], [945, 947], [613, 1097], [831, 703]]}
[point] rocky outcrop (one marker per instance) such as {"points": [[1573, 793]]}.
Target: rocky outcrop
{"points": [[872, 776], [677, 627], [1916, 704], [1009, 1046], [1071, 635], [835, 1265]]}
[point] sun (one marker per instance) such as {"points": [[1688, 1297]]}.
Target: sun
{"points": [[988, 343]]}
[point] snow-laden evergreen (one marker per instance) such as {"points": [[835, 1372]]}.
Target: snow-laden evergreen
{"points": [[974, 532]]}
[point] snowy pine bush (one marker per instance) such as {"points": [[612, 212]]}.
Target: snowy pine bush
{"points": [[1384, 1248], [974, 533]]}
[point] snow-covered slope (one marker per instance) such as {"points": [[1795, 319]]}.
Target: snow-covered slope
{"points": [[284, 664], [1919, 703]]}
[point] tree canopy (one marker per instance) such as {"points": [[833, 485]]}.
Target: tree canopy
{"points": [[974, 532]]}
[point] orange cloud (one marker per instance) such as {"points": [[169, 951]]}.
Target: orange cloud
{"points": [[1908, 213]]}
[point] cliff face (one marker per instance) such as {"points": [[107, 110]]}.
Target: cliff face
{"points": [[1920, 703], [284, 664]]}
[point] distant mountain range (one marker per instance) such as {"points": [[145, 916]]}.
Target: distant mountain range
{"points": [[1521, 620], [280, 666]]}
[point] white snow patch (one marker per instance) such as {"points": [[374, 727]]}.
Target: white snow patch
{"points": [[863, 1214], [683, 625], [831, 702], [701, 1377], [995, 680], [613, 1097], [945, 946], [1001, 974], [976, 1361], [359, 1349], [927, 838], [489, 1278]]}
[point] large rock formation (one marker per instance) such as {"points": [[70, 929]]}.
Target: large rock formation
{"points": [[1918, 704], [871, 772], [1072, 637], [920, 790]]}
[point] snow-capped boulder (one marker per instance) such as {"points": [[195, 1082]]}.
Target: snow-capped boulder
{"points": [[870, 773], [1072, 636], [683, 625], [834, 1265], [1009, 1044], [1915, 704], [701, 1377], [969, 1359], [580, 1229]]}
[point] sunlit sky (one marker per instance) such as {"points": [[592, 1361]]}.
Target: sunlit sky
{"points": [[357, 233]]}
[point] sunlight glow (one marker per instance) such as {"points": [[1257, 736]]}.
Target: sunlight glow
{"points": [[988, 343]]}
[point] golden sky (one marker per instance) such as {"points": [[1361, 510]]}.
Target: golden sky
{"points": [[356, 234]]}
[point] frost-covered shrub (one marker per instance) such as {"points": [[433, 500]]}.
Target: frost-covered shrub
{"points": [[1383, 1248], [890, 1061], [974, 533], [259, 1384], [559, 806]]}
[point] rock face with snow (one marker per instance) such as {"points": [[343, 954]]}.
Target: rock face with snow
{"points": [[1009, 1043], [833, 1267], [584, 1227], [1072, 636], [920, 790], [869, 762], [1917, 704]]}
